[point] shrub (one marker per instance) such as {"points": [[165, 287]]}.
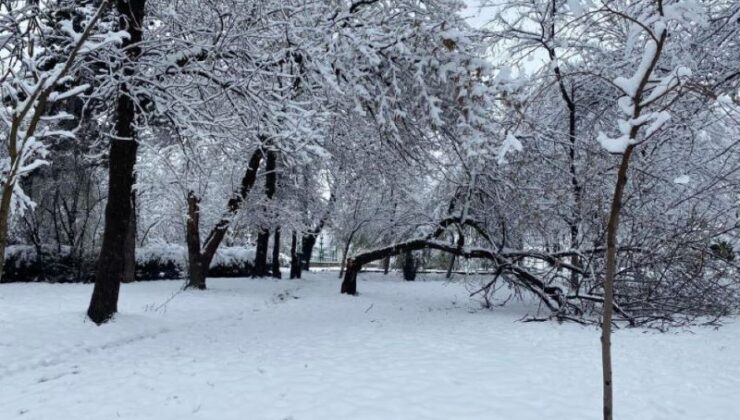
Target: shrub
{"points": [[26, 263]]}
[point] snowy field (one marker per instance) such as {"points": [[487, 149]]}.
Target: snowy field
{"points": [[265, 349]]}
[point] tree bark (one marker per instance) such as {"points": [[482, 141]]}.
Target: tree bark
{"points": [[276, 255], [260, 256], [307, 243], [263, 238], [386, 265], [5, 201], [196, 269], [409, 266], [111, 262], [129, 247], [460, 245], [295, 261], [345, 254]]}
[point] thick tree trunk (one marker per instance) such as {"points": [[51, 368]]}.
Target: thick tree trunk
{"points": [[260, 256], [276, 255], [409, 266], [612, 230], [122, 158], [295, 261], [196, 268], [129, 247], [386, 265], [349, 284], [307, 243]]}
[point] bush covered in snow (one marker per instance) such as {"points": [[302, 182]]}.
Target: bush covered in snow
{"points": [[169, 261], [155, 261], [46, 263], [232, 261], [161, 261]]}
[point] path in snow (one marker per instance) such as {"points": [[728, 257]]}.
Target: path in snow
{"points": [[266, 349]]}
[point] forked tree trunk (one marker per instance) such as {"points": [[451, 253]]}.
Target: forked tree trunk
{"points": [[345, 254], [295, 261], [276, 255], [112, 261], [200, 257], [308, 240]]}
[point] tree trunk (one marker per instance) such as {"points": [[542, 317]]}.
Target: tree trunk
{"points": [[295, 261], [349, 284], [263, 238], [307, 243], [575, 222], [4, 218], [200, 257], [460, 244], [612, 230], [345, 254], [386, 265], [129, 247], [122, 158], [276, 255], [196, 268], [409, 266], [260, 256], [308, 240]]}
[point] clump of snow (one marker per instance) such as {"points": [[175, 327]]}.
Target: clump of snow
{"points": [[510, 143], [682, 180], [630, 85], [659, 118], [613, 145]]}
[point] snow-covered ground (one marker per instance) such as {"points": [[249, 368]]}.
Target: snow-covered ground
{"points": [[265, 349]]}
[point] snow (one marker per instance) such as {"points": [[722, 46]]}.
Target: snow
{"points": [[682, 180], [297, 349], [659, 118], [613, 145], [75, 91], [162, 252], [510, 143], [631, 85]]}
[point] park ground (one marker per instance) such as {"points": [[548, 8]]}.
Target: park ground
{"points": [[297, 349]]}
